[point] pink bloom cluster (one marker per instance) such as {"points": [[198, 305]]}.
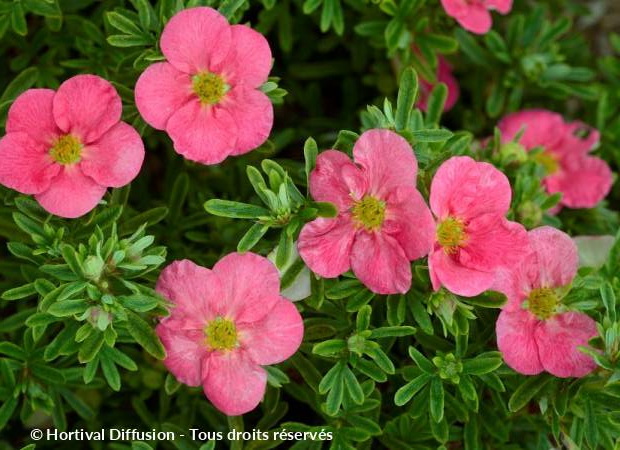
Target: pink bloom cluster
{"points": [[474, 15], [473, 240], [224, 325], [67, 146], [535, 331], [444, 75], [582, 179], [383, 222], [206, 95]]}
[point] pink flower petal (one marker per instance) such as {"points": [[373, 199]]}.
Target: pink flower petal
{"points": [[185, 352], [380, 263], [388, 160], [275, 337], [326, 180], [583, 182], [196, 39], [160, 91], [253, 113], [87, 106], [577, 144], [501, 6], [26, 166], [558, 339], [541, 128], [477, 19], [250, 286], [234, 383], [71, 194], [325, 245], [557, 257], [494, 242], [115, 158], [31, 113], [516, 340], [444, 75], [206, 134], [410, 222], [192, 289], [456, 8], [465, 188], [249, 60], [457, 278]]}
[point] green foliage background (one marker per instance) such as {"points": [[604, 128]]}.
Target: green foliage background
{"points": [[414, 371]]}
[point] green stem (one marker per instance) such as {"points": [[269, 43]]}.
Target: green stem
{"points": [[236, 423]]}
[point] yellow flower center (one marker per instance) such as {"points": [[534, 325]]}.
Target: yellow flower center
{"points": [[209, 87], [542, 302], [66, 149], [548, 161], [369, 213], [451, 234], [221, 334]]}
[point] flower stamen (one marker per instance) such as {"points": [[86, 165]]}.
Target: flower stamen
{"points": [[221, 334], [66, 149], [451, 234], [369, 213], [209, 87], [543, 302]]}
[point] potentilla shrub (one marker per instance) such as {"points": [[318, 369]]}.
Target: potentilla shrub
{"points": [[310, 224]]}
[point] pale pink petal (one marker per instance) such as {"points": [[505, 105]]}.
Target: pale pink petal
{"points": [[87, 106], [516, 340], [206, 134], [380, 263], [250, 286], [185, 352], [455, 8], [115, 158], [274, 338], [458, 279], [444, 75], [477, 19], [501, 6], [557, 257], [325, 245], [388, 160], [493, 242], [409, 221], [196, 39], [252, 111], [326, 180], [31, 113], [25, 164], [558, 339], [193, 290], [542, 128], [160, 91], [465, 188], [249, 59], [583, 182], [71, 194], [234, 383]]}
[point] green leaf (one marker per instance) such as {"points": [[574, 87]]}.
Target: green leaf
{"points": [[435, 104], [236, 210], [27, 290], [72, 259], [13, 351], [43, 7], [482, 364], [67, 308], [431, 135], [436, 399], [526, 391], [488, 299], [397, 331], [6, 410], [330, 347], [90, 347], [144, 335], [47, 374], [18, 19], [609, 300], [122, 23], [407, 93], [150, 217], [124, 40], [310, 153], [110, 372], [353, 386], [421, 361], [229, 7], [25, 80], [406, 393]]}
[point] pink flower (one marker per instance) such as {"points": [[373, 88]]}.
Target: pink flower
{"points": [[444, 75], [67, 146], [583, 180], [224, 325], [473, 239], [474, 15], [382, 223], [535, 332], [206, 95]]}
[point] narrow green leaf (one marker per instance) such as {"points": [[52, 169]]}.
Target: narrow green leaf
{"points": [[436, 399], [406, 392], [144, 335], [236, 210], [407, 93], [526, 391]]}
